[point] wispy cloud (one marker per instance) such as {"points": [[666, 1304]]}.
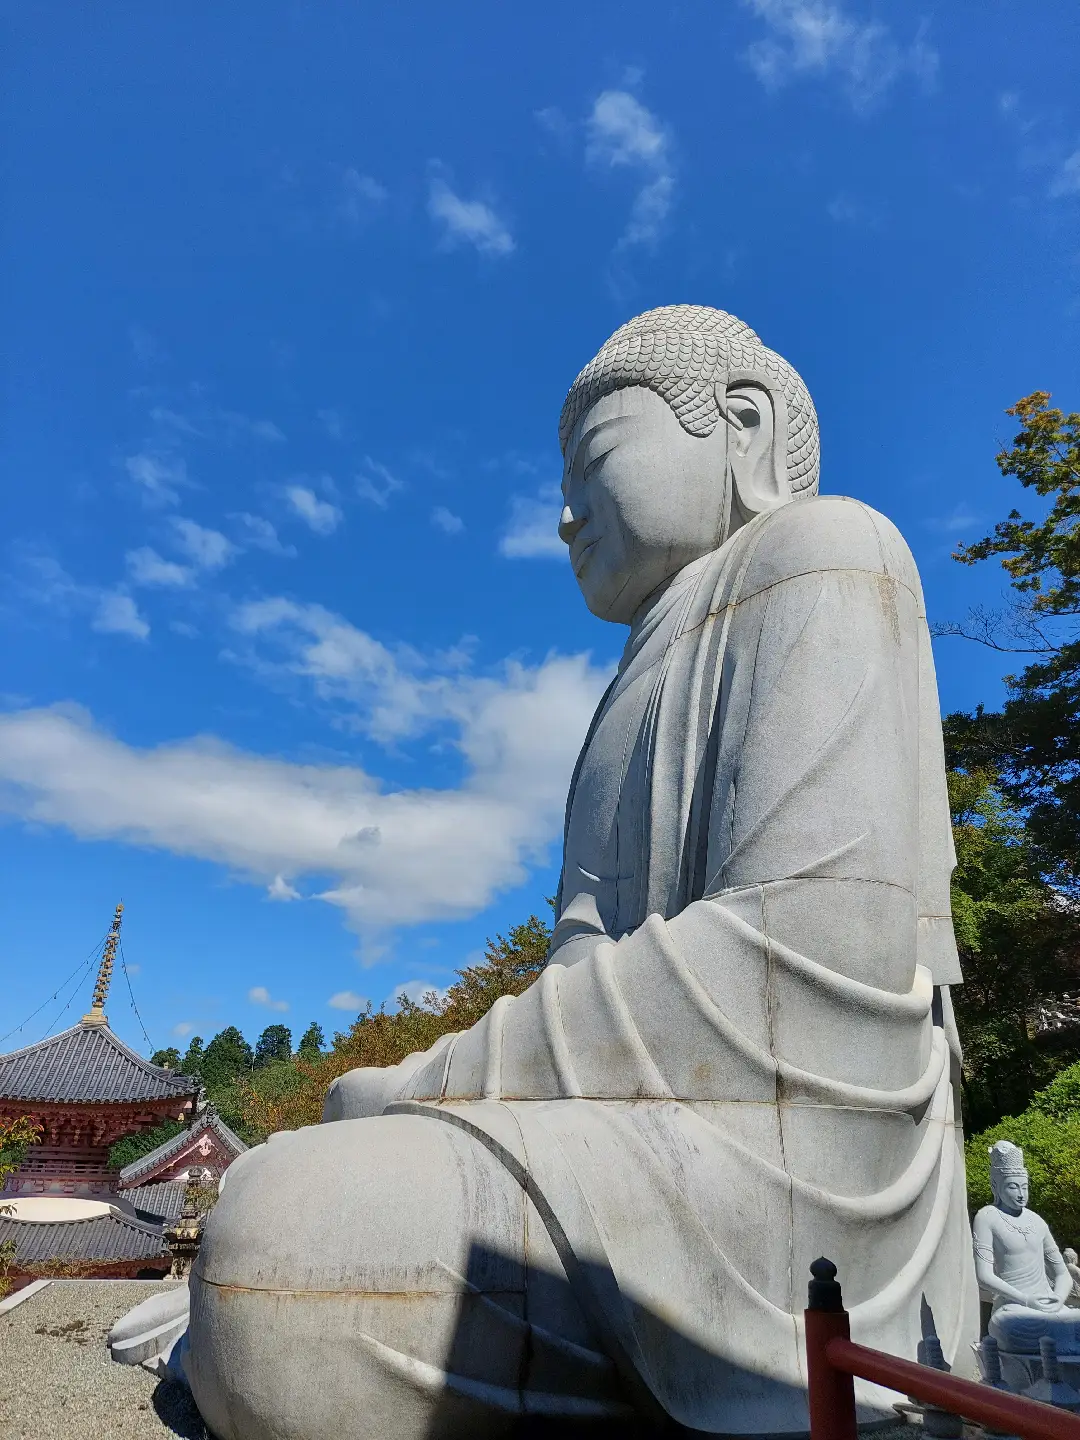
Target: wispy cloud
{"points": [[205, 548], [280, 889], [320, 515], [333, 422], [621, 132], [160, 477], [415, 990], [147, 567], [259, 995], [117, 614], [1066, 181], [469, 222], [818, 37], [532, 528], [961, 517], [377, 484], [844, 209], [182, 1028], [40, 579], [348, 1000], [446, 521], [361, 197], [257, 533]]}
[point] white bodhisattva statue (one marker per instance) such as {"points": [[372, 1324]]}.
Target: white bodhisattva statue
{"points": [[602, 1201], [1019, 1266]]}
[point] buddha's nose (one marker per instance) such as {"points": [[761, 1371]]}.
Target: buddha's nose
{"points": [[568, 525]]}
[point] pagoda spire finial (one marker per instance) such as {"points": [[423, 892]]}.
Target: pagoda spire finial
{"points": [[96, 1014]]}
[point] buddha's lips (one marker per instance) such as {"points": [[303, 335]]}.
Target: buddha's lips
{"points": [[578, 559]]}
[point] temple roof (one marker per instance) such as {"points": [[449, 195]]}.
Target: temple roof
{"points": [[160, 1201], [86, 1063], [210, 1120], [114, 1236]]}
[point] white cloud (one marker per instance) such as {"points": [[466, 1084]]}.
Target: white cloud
{"points": [[158, 475], [320, 515], [961, 517], [446, 521], [468, 221], [280, 889], [416, 991], [532, 530], [184, 1027], [236, 426], [257, 533], [378, 484], [332, 422], [385, 857], [360, 196], [147, 567], [259, 995], [1067, 179], [117, 614], [348, 1000], [622, 132], [817, 37], [208, 549]]}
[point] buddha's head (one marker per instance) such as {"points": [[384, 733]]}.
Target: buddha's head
{"points": [[1008, 1178], [682, 429]]}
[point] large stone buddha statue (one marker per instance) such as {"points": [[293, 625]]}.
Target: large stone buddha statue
{"points": [[602, 1201]]}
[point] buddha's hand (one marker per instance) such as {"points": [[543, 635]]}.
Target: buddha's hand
{"points": [[1047, 1304]]}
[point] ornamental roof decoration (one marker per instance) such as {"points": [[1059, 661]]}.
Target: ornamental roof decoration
{"points": [[87, 1064], [209, 1123]]}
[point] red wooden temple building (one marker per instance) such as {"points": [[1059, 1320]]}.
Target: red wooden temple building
{"points": [[87, 1090]]}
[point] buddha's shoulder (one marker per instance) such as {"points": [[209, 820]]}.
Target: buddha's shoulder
{"points": [[828, 532]]}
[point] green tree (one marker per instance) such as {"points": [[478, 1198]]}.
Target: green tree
{"points": [[227, 1056], [193, 1059], [1015, 938], [16, 1137], [1048, 1132], [312, 1042], [1033, 743], [169, 1059], [133, 1147], [275, 1043]]}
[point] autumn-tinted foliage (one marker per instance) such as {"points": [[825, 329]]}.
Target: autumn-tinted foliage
{"points": [[511, 963]]}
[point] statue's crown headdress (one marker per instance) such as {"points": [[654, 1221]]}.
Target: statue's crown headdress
{"points": [[1006, 1160]]}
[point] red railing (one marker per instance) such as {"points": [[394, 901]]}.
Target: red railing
{"points": [[833, 1360]]}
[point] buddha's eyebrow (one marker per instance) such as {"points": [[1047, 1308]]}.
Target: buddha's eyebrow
{"points": [[597, 428]]}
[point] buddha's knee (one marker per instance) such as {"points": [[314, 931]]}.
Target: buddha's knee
{"points": [[348, 1269]]}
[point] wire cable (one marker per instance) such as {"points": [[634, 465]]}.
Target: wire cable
{"points": [[131, 997], [82, 965]]}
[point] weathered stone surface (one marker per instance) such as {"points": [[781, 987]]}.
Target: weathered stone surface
{"points": [[606, 1195]]}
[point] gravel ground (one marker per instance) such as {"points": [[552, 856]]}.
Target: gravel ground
{"points": [[58, 1383]]}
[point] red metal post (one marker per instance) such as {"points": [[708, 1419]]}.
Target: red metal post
{"points": [[831, 1392]]}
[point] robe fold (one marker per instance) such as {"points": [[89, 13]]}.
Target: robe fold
{"points": [[748, 1059], [603, 1200]]}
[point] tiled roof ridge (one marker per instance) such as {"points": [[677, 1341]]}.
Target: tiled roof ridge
{"points": [[61, 1068], [184, 1083], [209, 1119]]}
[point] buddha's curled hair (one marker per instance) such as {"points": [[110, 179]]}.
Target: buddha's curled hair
{"points": [[679, 351]]}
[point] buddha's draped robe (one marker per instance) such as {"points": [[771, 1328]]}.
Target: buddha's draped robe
{"points": [[754, 1062]]}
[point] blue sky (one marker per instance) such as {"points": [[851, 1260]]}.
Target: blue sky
{"points": [[293, 664]]}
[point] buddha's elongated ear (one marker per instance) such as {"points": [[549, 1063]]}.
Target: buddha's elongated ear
{"points": [[755, 447]]}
